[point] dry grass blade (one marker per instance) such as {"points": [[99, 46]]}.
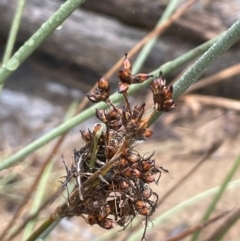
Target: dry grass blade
{"points": [[216, 78], [31, 189], [221, 231], [29, 218], [190, 231], [213, 101]]}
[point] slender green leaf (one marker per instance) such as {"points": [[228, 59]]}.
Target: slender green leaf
{"points": [[38, 38]]}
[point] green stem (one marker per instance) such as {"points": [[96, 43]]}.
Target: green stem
{"points": [[36, 40], [13, 33], [14, 30], [38, 199], [219, 233], [221, 45], [41, 229]]}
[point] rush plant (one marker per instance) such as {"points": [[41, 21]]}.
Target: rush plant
{"points": [[111, 177]]}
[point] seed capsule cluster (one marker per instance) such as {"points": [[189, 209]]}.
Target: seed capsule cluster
{"points": [[111, 177]]}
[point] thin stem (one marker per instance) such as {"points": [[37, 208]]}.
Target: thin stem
{"points": [[38, 199], [13, 31], [219, 233], [41, 229], [197, 227], [36, 40], [221, 45]]}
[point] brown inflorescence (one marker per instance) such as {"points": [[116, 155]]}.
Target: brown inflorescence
{"points": [[112, 179]]}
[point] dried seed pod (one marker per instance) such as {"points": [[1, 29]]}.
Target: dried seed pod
{"points": [[121, 222], [132, 173], [162, 94], [114, 125], [139, 78], [138, 111], [86, 135], [112, 186], [94, 97], [144, 211], [114, 114], [110, 151], [106, 223], [133, 157], [145, 133], [100, 114], [122, 163], [148, 177], [123, 185], [146, 164], [125, 72], [123, 87], [146, 193], [103, 84], [142, 208], [96, 128], [113, 119], [91, 219], [101, 92]]}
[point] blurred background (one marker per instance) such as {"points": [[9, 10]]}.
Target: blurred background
{"points": [[36, 97]]}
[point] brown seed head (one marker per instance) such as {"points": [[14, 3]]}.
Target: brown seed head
{"points": [[139, 78], [147, 177], [162, 95], [91, 219], [86, 135], [133, 157], [103, 84], [125, 72], [146, 165], [100, 114], [106, 223]]}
